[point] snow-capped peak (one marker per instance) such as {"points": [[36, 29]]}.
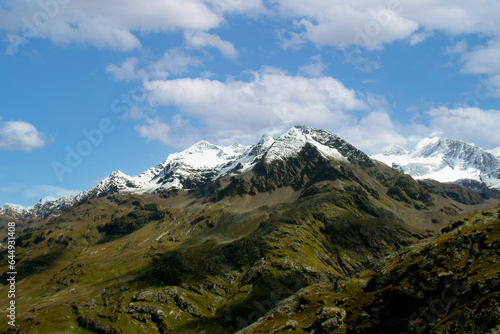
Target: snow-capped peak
{"points": [[395, 150], [437, 158], [206, 155], [446, 160], [292, 141], [204, 161], [14, 209]]}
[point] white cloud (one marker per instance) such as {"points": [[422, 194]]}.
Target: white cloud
{"points": [[373, 133], [251, 7], [419, 38], [175, 62], [472, 125], [347, 23], [199, 39], [315, 68], [155, 129], [109, 23], [20, 136], [459, 48], [178, 133], [172, 62], [370, 24], [495, 152], [483, 60], [126, 70], [376, 131], [373, 23], [353, 55], [272, 99]]}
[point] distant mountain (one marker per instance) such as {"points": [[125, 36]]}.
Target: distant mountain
{"points": [[205, 162], [202, 163], [440, 159], [446, 160]]}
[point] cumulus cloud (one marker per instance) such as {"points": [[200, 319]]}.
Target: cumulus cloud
{"points": [[314, 68], [175, 62], [126, 70], [347, 23], [354, 55], [483, 60], [155, 129], [251, 7], [373, 132], [272, 99], [458, 48], [376, 130], [21, 136], [172, 62], [110, 23], [200, 39], [178, 133], [367, 23], [469, 124], [370, 24], [373, 23]]}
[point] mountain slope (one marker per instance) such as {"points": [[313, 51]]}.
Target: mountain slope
{"points": [[445, 160], [239, 237], [449, 284], [203, 163]]}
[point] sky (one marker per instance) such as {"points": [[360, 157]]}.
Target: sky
{"points": [[88, 87]]}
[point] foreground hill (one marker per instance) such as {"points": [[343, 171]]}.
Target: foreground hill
{"points": [[216, 254], [447, 284]]}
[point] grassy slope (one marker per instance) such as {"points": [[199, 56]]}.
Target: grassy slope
{"points": [[180, 264], [449, 284]]}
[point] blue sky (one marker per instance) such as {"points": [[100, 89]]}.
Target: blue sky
{"points": [[88, 87]]}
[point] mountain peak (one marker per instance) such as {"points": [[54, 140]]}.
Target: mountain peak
{"points": [[117, 174], [437, 158], [294, 139], [395, 150], [14, 209], [200, 146]]}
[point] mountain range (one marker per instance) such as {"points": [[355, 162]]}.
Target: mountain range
{"points": [[300, 234], [439, 159], [446, 160]]}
